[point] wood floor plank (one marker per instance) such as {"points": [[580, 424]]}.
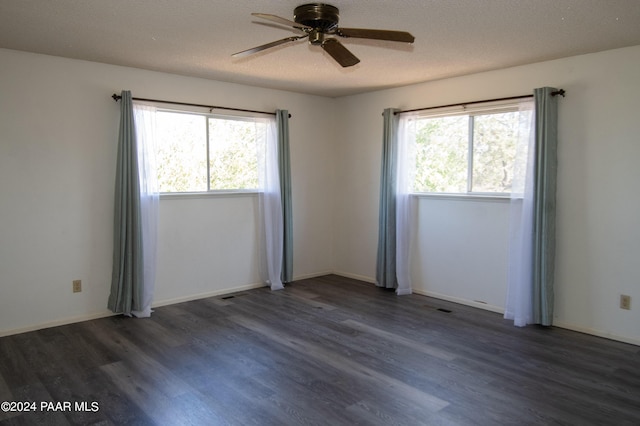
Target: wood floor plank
{"points": [[376, 379], [160, 405], [399, 340]]}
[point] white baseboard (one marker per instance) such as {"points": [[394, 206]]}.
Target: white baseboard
{"points": [[198, 296], [472, 303], [559, 324], [355, 276], [314, 275], [107, 313], [598, 333], [57, 323]]}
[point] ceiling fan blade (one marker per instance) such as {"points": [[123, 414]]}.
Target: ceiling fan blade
{"points": [[340, 53], [267, 46], [279, 20], [402, 36]]}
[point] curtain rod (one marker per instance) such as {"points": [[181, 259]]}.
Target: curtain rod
{"points": [[560, 92], [211, 107]]}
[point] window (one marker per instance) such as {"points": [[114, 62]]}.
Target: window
{"points": [[205, 152], [468, 153]]}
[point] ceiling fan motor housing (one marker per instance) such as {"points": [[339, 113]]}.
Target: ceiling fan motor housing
{"points": [[319, 16]]}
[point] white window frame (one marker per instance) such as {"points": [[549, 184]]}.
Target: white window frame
{"points": [[470, 111], [240, 116]]}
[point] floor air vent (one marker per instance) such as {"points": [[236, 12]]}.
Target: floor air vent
{"points": [[231, 296], [447, 311]]}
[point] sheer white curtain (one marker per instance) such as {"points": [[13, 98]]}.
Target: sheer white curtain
{"points": [[271, 211], [144, 119], [520, 274], [404, 200]]}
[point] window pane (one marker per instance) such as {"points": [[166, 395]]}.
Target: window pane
{"points": [[181, 152], [233, 153], [494, 149], [441, 154]]}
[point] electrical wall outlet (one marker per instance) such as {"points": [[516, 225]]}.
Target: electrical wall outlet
{"points": [[77, 286], [625, 301]]}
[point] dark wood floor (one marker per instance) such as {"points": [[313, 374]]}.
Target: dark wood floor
{"points": [[325, 351]]}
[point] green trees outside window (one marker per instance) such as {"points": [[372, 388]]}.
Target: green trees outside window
{"points": [[199, 152], [473, 153]]}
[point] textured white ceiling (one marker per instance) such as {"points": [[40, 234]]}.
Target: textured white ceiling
{"points": [[197, 37]]}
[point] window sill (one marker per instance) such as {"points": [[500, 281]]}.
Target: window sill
{"points": [[462, 197], [207, 194]]}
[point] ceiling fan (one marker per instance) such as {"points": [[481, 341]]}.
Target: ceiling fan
{"points": [[318, 20]]}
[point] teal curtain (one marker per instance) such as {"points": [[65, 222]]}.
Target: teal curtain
{"points": [[544, 204], [284, 165], [386, 260], [128, 263]]}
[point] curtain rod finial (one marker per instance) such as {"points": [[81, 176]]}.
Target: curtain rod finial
{"points": [[560, 92], [116, 97]]}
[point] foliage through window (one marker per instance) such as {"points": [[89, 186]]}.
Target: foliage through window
{"points": [[468, 153], [204, 152]]}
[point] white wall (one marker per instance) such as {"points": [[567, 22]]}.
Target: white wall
{"points": [[461, 252], [461, 246], [58, 145]]}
